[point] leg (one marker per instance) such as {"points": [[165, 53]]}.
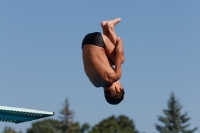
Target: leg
{"points": [[109, 49], [110, 27], [104, 28], [112, 33], [110, 39], [108, 44]]}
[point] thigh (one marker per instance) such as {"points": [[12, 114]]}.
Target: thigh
{"points": [[109, 48]]}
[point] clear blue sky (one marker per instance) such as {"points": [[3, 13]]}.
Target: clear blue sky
{"points": [[41, 61]]}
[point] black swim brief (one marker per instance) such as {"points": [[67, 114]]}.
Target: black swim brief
{"points": [[94, 38]]}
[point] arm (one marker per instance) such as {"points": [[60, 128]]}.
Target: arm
{"points": [[113, 77]]}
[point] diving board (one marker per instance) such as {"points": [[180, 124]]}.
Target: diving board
{"points": [[19, 115]]}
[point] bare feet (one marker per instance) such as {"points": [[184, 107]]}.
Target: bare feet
{"points": [[113, 23], [103, 23], [104, 28]]}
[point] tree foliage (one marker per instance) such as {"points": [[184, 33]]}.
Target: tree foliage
{"points": [[174, 122], [67, 120], [46, 126], [85, 127], [66, 124], [121, 124], [67, 117], [10, 130]]}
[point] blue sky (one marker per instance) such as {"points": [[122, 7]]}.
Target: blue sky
{"points": [[41, 61]]}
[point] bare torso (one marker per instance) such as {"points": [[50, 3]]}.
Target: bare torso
{"points": [[96, 65]]}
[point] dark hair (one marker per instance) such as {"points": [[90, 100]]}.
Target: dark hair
{"points": [[114, 97]]}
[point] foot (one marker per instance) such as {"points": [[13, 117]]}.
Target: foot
{"points": [[113, 23], [103, 23]]}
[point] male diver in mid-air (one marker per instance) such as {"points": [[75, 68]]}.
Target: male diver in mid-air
{"points": [[100, 53]]}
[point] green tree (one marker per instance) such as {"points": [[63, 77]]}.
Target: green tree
{"points": [[64, 125], [67, 120], [85, 127], [45, 126], [68, 125], [121, 124], [174, 122], [10, 130]]}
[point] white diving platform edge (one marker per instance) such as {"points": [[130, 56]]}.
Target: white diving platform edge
{"points": [[19, 115]]}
